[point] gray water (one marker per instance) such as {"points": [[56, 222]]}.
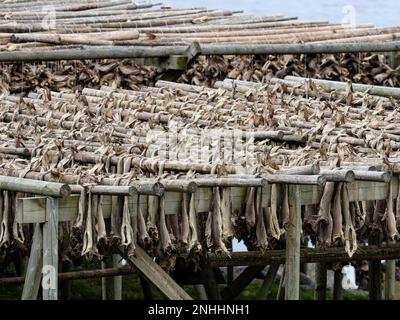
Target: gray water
{"points": [[382, 13]]}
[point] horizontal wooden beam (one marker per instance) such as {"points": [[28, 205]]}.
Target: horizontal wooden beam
{"points": [[32, 210], [43, 188], [307, 255], [122, 52], [78, 275]]}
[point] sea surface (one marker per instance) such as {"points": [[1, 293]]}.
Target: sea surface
{"points": [[382, 13]]}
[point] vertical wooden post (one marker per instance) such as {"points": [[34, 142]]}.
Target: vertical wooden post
{"points": [[201, 291], [375, 270], [292, 285], [34, 269], [50, 251], [390, 279], [111, 286], [337, 285], [320, 280], [147, 292]]}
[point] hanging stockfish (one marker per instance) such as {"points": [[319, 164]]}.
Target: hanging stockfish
{"points": [[324, 220], [65, 241], [5, 219], [100, 224], [337, 217], [184, 221], [82, 207], [250, 207], [389, 217], [194, 244], [152, 217], [117, 203], [285, 207], [128, 229], [226, 211], [89, 248], [173, 227], [165, 238], [261, 241], [350, 236], [143, 236], [309, 221], [214, 225], [129, 226], [378, 216], [18, 231], [270, 218]]}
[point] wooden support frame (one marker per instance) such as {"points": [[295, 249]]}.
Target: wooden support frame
{"points": [[49, 211], [292, 279], [148, 268], [241, 282], [50, 251], [43, 260], [34, 272]]}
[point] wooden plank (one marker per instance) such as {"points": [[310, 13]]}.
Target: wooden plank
{"points": [[241, 282], [292, 285], [34, 269], [50, 251], [390, 279], [148, 268]]}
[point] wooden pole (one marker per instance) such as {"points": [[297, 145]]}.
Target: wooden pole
{"points": [[111, 286], [146, 288], [34, 269], [320, 280], [44, 188], [121, 52], [201, 291], [268, 281], [76, 275], [292, 287], [50, 251], [375, 273], [337, 285], [241, 282], [390, 279], [337, 85], [308, 255]]}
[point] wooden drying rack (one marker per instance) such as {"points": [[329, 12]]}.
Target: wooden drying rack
{"points": [[54, 204]]}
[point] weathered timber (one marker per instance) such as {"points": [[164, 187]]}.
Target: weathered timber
{"points": [[241, 282], [307, 255], [388, 92], [320, 280], [157, 276], [292, 258], [77, 275], [268, 281], [34, 269], [50, 251], [44, 188]]}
